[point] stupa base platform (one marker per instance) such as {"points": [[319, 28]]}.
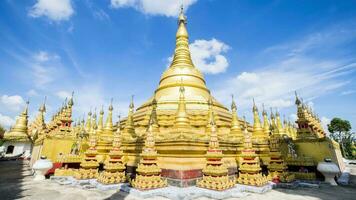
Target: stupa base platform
{"points": [[188, 193], [171, 192]]}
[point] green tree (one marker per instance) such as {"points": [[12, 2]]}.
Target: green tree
{"points": [[340, 131], [2, 131]]}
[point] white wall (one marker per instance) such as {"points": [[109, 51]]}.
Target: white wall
{"points": [[19, 148]]}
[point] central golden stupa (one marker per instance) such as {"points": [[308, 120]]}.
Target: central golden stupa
{"points": [[182, 117]]}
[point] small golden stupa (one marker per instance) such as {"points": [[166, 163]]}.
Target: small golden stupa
{"points": [[249, 164], [277, 167], [114, 169], [148, 173], [215, 173], [19, 131], [89, 166]]}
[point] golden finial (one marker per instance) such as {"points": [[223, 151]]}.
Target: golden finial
{"points": [[182, 18], [109, 125], [43, 107], [297, 101], [111, 107], [254, 109], [132, 102], [233, 104], [71, 102], [102, 110], [272, 115], [263, 109]]}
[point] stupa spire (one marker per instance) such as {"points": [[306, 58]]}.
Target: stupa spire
{"points": [[109, 125], [100, 122], [257, 127], [235, 124], [88, 122], [129, 129], [266, 127], [181, 117], [42, 109], [181, 53], [279, 123]]}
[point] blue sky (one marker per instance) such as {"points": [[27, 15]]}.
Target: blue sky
{"points": [[115, 48]]}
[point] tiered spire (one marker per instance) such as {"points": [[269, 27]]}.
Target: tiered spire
{"points": [[257, 128], [249, 163], [273, 123], [100, 122], [114, 168], [38, 127], [89, 165], [181, 120], [109, 128], [182, 54], [88, 122], [129, 130], [148, 173], [215, 174], [235, 131], [280, 128], [266, 126]]}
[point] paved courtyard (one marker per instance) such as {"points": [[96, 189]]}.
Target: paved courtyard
{"points": [[16, 183]]}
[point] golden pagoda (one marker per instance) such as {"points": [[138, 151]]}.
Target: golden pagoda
{"points": [[260, 136], [105, 134], [215, 173], [170, 135], [19, 132], [114, 168], [89, 165], [309, 125], [38, 127], [249, 164], [277, 167], [235, 130], [148, 173]]}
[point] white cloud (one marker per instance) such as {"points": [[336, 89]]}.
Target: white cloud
{"points": [[348, 92], [6, 121], [63, 94], [324, 122], [43, 56], [207, 55], [295, 66], [169, 8], [45, 69], [13, 103], [32, 93], [43, 74], [55, 10]]}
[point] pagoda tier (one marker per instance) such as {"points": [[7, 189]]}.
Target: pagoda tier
{"points": [[148, 173], [277, 167], [89, 165], [215, 174], [249, 165], [250, 170], [114, 168]]}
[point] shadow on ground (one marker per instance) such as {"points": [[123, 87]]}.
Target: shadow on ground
{"points": [[326, 191], [12, 175], [118, 195]]}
